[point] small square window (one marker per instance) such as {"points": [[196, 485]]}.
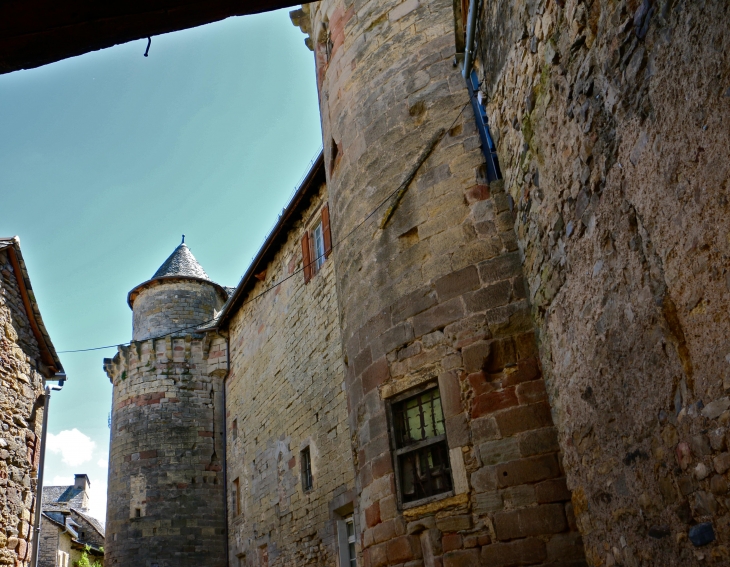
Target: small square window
{"points": [[421, 449], [306, 460]]}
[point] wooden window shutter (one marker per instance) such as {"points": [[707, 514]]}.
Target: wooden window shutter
{"points": [[306, 258], [327, 235]]}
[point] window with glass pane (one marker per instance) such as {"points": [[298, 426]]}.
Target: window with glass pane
{"points": [[351, 541], [318, 243], [421, 449]]}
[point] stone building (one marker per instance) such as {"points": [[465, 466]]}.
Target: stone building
{"points": [[166, 496], [535, 354], [27, 357], [289, 458], [67, 529]]}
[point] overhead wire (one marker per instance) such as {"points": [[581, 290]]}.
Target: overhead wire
{"points": [[280, 282]]}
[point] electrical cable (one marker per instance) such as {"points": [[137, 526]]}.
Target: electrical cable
{"points": [[277, 284]]}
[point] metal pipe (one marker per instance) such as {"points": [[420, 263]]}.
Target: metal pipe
{"points": [[61, 377], [471, 24]]}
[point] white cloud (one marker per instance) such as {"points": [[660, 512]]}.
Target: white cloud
{"points": [[103, 462], [97, 500], [60, 481], [75, 447]]}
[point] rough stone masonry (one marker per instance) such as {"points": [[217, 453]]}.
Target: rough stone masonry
{"points": [[166, 494], [612, 126], [436, 298], [27, 357]]}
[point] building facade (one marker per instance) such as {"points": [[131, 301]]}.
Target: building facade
{"points": [[533, 347], [166, 497], [27, 357], [68, 531]]}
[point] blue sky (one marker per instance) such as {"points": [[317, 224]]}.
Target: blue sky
{"points": [[106, 159]]}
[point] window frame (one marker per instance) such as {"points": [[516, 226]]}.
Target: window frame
{"points": [[397, 452], [312, 259], [318, 257], [307, 475], [351, 540]]}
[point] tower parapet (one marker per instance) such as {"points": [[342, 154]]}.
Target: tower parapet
{"points": [[166, 500]]}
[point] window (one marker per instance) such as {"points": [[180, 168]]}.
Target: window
{"points": [[236, 497], [421, 450], [234, 429], [316, 245], [263, 556], [306, 460], [350, 526], [137, 512]]}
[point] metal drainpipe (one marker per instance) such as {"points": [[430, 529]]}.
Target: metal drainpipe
{"points": [[39, 486], [471, 25], [225, 447]]}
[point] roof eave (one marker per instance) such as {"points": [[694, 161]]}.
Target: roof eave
{"points": [[49, 357], [302, 191]]}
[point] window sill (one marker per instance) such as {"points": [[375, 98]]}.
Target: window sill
{"points": [[425, 501]]}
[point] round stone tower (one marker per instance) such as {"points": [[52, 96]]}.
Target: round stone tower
{"points": [[166, 499]]}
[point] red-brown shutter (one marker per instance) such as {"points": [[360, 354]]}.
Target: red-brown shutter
{"points": [[327, 235], [306, 258]]}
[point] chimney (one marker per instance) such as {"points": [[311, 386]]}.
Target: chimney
{"points": [[81, 481]]}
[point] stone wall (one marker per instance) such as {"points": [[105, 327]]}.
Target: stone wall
{"points": [[285, 393], [168, 305], [49, 546], [612, 126], [166, 500], [21, 418], [436, 297]]}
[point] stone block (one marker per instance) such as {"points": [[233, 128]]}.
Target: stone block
{"points": [[523, 418], [461, 558], [457, 430], [539, 441], [532, 469], [484, 429], [544, 519], [484, 479], [553, 490], [489, 297], [375, 374], [403, 548], [531, 392], [454, 523], [520, 552], [450, 542], [450, 390], [457, 283], [499, 451], [491, 402], [412, 304], [502, 267], [372, 515], [488, 503], [476, 355], [438, 317]]}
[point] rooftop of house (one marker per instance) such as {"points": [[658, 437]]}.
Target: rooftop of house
{"points": [[181, 263], [48, 352]]}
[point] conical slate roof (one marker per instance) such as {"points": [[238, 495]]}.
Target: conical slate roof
{"points": [[181, 263]]}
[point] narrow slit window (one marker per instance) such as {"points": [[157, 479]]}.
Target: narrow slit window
{"points": [[234, 429], [306, 460], [236, 497]]}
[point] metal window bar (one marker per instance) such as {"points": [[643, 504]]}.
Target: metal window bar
{"points": [[421, 447], [480, 114]]}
